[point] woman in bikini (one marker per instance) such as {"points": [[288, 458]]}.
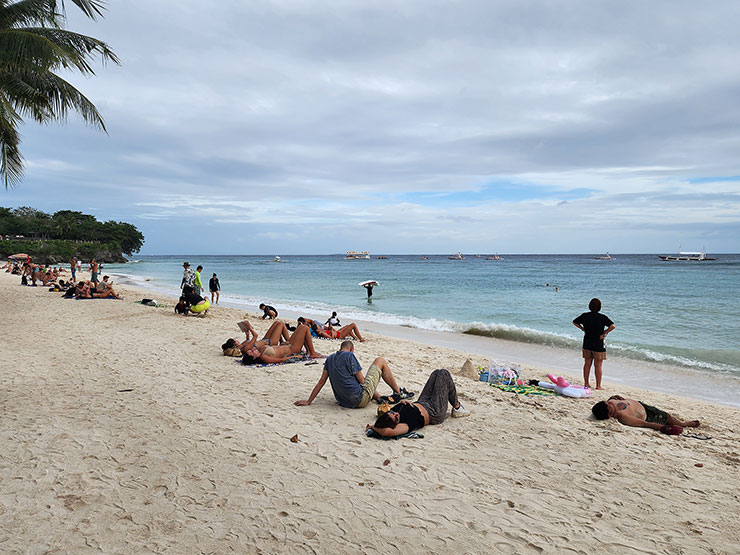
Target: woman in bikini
{"points": [[270, 354], [277, 334], [350, 330], [430, 408]]}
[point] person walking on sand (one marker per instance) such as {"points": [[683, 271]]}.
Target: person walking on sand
{"points": [[215, 288], [197, 283], [73, 267], [634, 413], [595, 327], [351, 388]]}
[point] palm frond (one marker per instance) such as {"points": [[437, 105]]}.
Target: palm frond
{"points": [[52, 48], [28, 12], [47, 97], [11, 161]]}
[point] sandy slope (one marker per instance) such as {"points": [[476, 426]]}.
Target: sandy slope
{"points": [[197, 456]]}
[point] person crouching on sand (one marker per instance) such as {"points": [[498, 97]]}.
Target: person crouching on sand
{"points": [[431, 408], [634, 413]]}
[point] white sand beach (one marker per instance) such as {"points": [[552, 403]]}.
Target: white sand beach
{"points": [[124, 430]]}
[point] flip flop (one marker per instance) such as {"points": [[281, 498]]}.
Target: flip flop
{"points": [[390, 399], [702, 437], [406, 394]]}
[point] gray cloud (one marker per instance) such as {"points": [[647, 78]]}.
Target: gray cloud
{"points": [[252, 116]]}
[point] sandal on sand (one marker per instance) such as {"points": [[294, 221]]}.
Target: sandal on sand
{"points": [[396, 397], [702, 437], [406, 394]]}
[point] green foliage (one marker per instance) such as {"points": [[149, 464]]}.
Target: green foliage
{"points": [[66, 233], [34, 45]]}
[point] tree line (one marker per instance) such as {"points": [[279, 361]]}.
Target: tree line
{"points": [[69, 230]]}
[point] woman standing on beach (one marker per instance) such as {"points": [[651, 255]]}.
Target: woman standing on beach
{"points": [[595, 327]]}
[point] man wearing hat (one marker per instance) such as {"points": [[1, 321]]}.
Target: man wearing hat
{"points": [[188, 276]]}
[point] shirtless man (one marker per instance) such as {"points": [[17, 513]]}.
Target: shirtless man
{"points": [[634, 413]]}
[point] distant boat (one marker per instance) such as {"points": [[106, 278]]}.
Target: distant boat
{"points": [[276, 259], [687, 256], [607, 256], [425, 258], [381, 258], [353, 255], [457, 256], [494, 257]]}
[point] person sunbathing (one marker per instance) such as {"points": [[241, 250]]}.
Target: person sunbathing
{"points": [[82, 291], [270, 354], [430, 408], [634, 413], [276, 335], [350, 330]]}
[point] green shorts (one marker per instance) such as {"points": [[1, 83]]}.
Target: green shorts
{"points": [[654, 414], [372, 379]]}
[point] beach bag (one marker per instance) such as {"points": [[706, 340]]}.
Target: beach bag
{"points": [[504, 373]]}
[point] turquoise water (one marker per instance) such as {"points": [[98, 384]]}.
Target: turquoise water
{"points": [[680, 313]]}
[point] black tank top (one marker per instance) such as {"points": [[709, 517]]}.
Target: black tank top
{"points": [[410, 415]]}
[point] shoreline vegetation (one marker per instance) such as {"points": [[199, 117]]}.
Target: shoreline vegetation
{"points": [[129, 431], [56, 238]]}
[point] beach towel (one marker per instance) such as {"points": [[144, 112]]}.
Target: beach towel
{"points": [[411, 435], [523, 389], [297, 358]]}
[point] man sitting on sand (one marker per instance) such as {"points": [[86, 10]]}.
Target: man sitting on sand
{"points": [[634, 413], [351, 388]]}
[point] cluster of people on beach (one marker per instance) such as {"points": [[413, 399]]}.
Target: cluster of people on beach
{"points": [[192, 300], [33, 275], [352, 388]]}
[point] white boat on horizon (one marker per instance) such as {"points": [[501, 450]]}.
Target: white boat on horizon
{"points": [[687, 256], [457, 256], [354, 255], [607, 256], [494, 257], [277, 259]]}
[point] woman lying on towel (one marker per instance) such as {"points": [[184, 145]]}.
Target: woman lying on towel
{"points": [[350, 330], [430, 408], [328, 332], [271, 354], [276, 335]]}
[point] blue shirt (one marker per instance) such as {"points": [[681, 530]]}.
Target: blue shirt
{"points": [[342, 367]]}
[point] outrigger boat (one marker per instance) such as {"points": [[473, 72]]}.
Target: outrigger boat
{"points": [[687, 257], [494, 257], [457, 256], [607, 256], [353, 255]]}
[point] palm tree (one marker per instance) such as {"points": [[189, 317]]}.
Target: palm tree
{"points": [[33, 46]]}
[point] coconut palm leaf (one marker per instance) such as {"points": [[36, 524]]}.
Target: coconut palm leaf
{"points": [[33, 45]]}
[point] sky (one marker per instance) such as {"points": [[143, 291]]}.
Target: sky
{"points": [[321, 126]]}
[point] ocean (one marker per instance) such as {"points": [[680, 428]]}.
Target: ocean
{"points": [[679, 313]]}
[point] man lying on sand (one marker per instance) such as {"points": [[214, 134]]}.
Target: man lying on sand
{"points": [[634, 413], [351, 388]]}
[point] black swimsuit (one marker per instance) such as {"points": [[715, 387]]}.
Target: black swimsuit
{"points": [[409, 415]]}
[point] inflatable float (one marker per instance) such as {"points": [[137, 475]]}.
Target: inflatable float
{"points": [[564, 387]]}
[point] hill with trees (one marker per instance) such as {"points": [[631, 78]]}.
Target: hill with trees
{"points": [[56, 238]]}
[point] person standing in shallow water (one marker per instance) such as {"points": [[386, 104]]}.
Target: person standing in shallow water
{"points": [[595, 327]]}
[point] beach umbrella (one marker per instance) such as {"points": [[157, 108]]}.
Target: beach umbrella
{"points": [[19, 255]]}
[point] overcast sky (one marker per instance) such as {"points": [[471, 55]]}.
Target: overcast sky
{"points": [[319, 126]]}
